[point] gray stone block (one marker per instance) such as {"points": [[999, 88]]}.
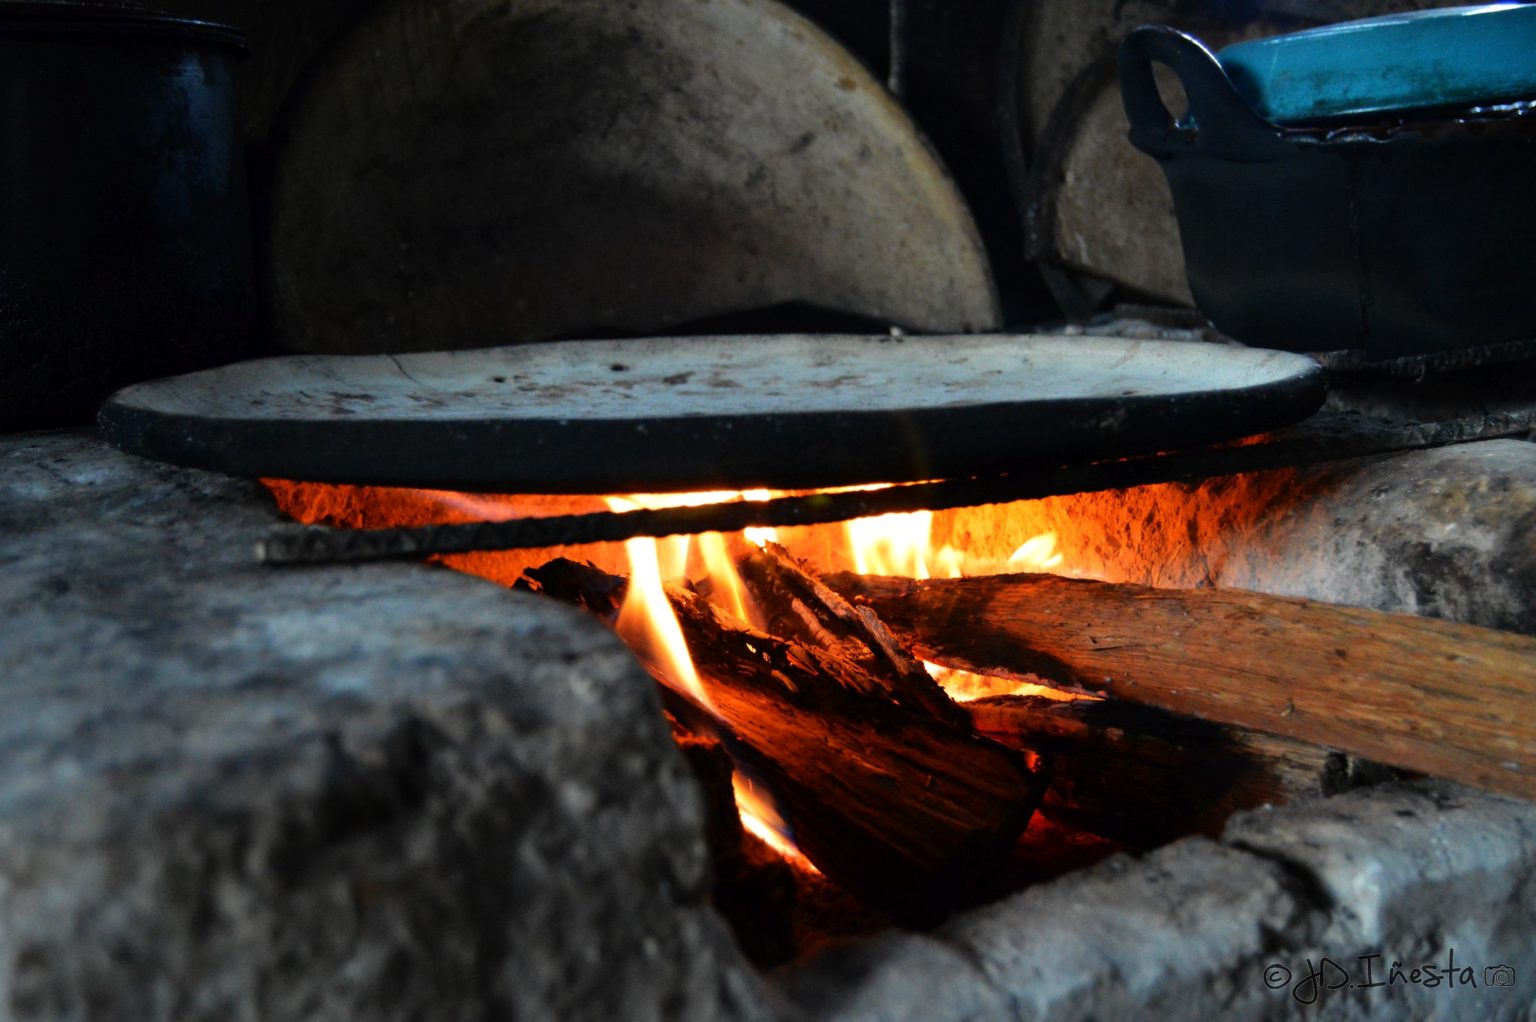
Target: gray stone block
{"points": [[1232, 930], [897, 977], [1412, 874], [1448, 533], [1167, 936], [229, 792], [1154, 937]]}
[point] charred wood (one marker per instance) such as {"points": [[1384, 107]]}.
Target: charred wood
{"points": [[754, 889], [1133, 774], [1142, 776], [893, 803], [798, 606]]}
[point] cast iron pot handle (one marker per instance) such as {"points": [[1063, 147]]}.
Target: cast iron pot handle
{"points": [[1219, 122]]}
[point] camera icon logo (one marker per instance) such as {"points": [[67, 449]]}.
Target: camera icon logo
{"points": [[1498, 976]]}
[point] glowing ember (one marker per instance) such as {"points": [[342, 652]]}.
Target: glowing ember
{"points": [[965, 687]]}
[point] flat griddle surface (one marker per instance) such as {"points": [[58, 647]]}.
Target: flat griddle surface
{"points": [[711, 412]]}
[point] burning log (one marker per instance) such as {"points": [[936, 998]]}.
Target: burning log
{"points": [[1136, 775], [1132, 774], [904, 808], [1430, 696], [1141, 776]]}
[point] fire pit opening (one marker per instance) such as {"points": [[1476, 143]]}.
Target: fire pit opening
{"points": [[856, 777]]}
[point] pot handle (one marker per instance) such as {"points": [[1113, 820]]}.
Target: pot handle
{"points": [[1219, 122]]}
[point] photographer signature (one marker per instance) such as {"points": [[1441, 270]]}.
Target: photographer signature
{"points": [[1372, 970]]}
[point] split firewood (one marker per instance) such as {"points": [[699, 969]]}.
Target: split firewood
{"points": [[1136, 775], [1141, 776], [904, 808], [1424, 695]]}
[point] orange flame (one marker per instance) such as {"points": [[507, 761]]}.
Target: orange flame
{"points": [[1038, 554], [894, 544], [646, 621], [760, 817], [900, 544]]}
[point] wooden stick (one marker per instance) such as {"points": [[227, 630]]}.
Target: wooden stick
{"points": [[892, 803], [1430, 696]]}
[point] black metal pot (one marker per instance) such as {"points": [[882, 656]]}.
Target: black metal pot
{"points": [[124, 222], [1399, 239]]}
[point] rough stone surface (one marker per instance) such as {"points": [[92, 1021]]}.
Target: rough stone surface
{"points": [[1127, 939], [394, 792], [1100, 162], [1413, 874], [1447, 533], [1225, 930]]}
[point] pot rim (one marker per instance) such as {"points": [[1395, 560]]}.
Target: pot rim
{"points": [[1474, 54], [80, 17], [1515, 122]]}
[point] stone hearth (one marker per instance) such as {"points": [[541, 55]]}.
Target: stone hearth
{"points": [[231, 792]]}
